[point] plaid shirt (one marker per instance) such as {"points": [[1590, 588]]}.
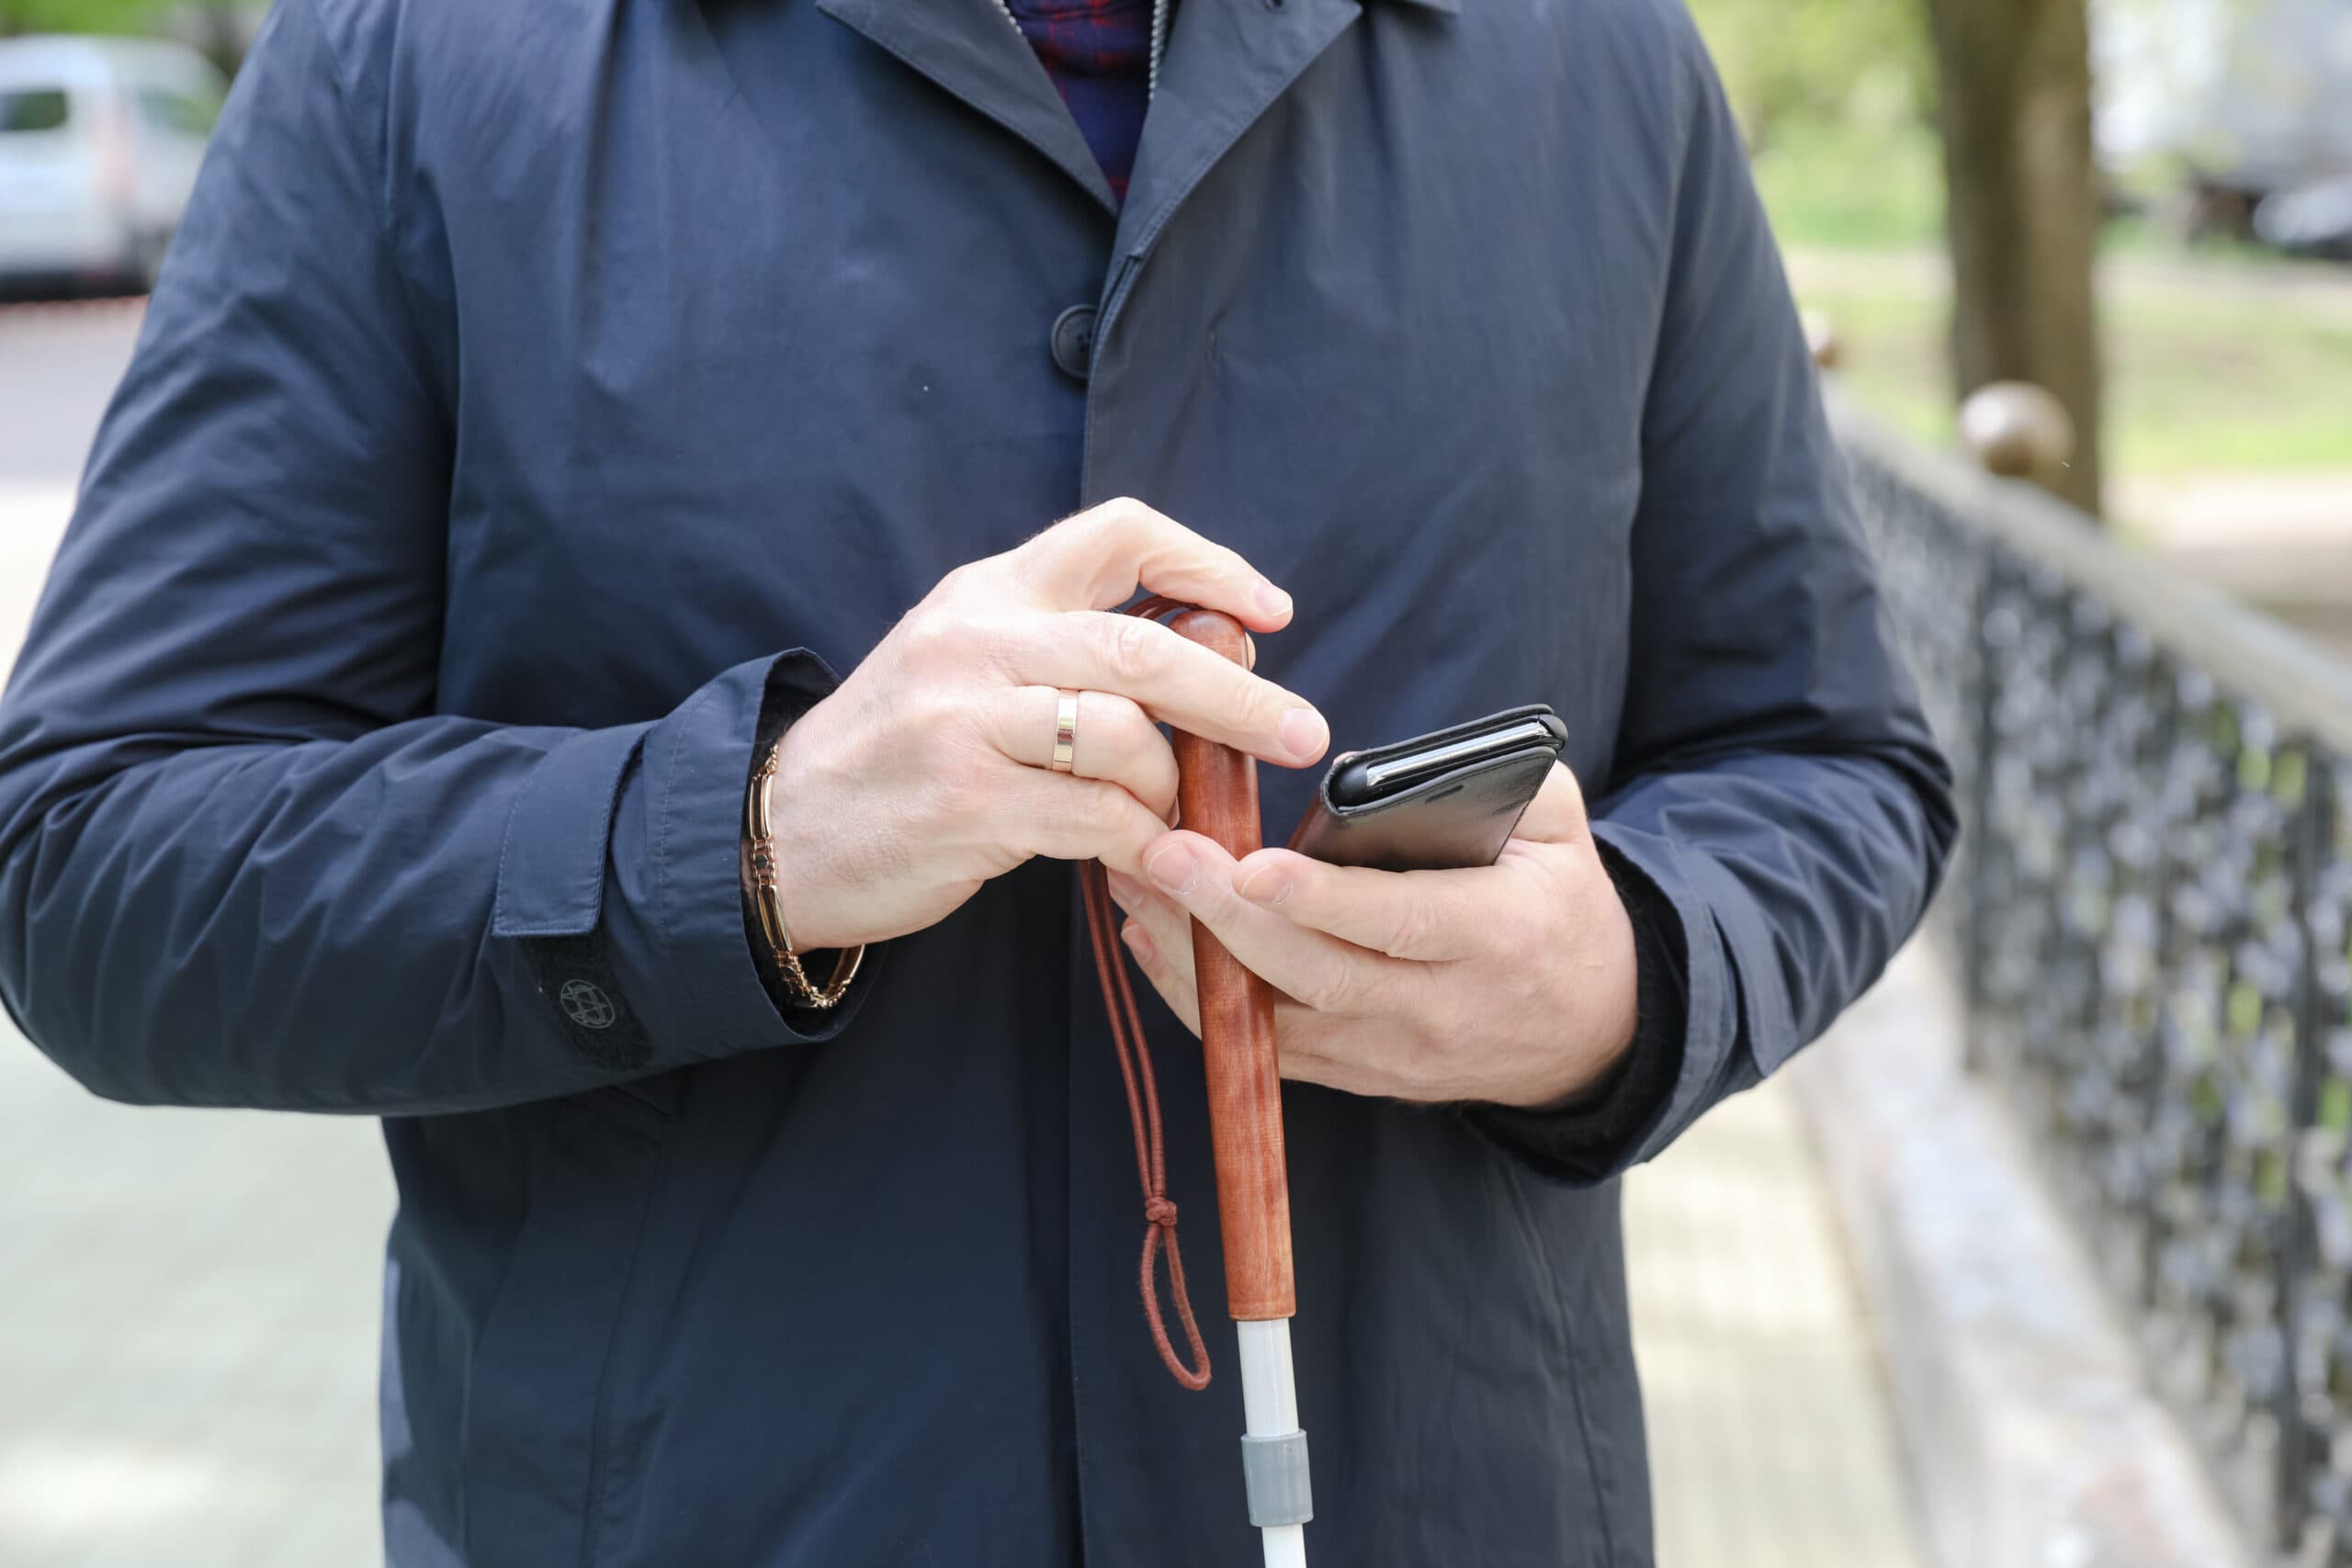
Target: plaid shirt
{"points": [[1099, 54]]}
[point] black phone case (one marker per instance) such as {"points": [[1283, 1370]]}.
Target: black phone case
{"points": [[1458, 819]]}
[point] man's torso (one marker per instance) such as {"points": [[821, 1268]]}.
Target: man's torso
{"points": [[749, 312]]}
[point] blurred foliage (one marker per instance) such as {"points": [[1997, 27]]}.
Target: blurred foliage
{"points": [[1835, 99], [1835, 185], [220, 29], [1799, 64], [79, 15]]}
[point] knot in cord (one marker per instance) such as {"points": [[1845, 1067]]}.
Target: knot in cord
{"points": [[1143, 1115]]}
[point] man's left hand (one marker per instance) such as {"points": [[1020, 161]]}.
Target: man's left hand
{"points": [[1513, 983]]}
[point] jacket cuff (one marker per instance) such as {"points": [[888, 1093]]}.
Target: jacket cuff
{"points": [[711, 987], [1736, 1025], [654, 934]]}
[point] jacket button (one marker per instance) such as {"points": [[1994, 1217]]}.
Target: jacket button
{"points": [[1073, 340]]}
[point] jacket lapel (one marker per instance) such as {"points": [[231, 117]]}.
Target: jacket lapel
{"points": [[1227, 60], [970, 49]]}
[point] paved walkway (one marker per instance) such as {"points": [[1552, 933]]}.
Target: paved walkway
{"points": [[188, 1299], [186, 1334], [2282, 541], [1771, 1442]]}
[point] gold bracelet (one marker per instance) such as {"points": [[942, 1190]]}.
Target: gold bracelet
{"points": [[759, 854]]}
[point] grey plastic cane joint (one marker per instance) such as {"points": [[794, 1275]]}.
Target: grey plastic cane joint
{"points": [[1276, 1471]]}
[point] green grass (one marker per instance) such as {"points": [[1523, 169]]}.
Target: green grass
{"points": [[2218, 356], [2203, 372], [2202, 382], [1891, 350]]}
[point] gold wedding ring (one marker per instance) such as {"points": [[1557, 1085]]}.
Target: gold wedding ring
{"points": [[1066, 733]]}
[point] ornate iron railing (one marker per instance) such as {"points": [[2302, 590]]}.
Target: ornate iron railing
{"points": [[2150, 915]]}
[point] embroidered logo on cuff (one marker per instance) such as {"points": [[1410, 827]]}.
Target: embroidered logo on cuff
{"points": [[585, 995], [585, 1004]]}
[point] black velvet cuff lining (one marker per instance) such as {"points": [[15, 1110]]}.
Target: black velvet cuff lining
{"points": [[1590, 1139]]}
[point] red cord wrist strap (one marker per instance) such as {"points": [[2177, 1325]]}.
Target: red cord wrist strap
{"points": [[1143, 1105], [1142, 1113]]}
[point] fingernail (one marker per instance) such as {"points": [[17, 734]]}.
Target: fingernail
{"points": [[1173, 868], [1126, 889], [1304, 734], [1266, 887], [1138, 939], [1271, 599]]}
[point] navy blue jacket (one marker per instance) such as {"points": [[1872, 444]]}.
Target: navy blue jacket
{"points": [[538, 391]]}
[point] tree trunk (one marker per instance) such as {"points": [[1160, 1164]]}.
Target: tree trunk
{"points": [[2015, 97]]}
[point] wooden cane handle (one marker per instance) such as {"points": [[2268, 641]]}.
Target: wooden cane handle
{"points": [[1217, 790]]}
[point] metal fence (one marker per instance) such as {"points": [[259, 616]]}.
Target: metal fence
{"points": [[2151, 919]]}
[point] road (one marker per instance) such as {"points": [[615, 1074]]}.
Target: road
{"points": [[189, 1324], [57, 362]]}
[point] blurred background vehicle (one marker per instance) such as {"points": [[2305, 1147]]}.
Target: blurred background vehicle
{"points": [[2241, 111], [2310, 220], [99, 143]]}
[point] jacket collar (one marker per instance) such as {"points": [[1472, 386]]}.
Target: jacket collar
{"points": [[968, 48], [1227, 61]]}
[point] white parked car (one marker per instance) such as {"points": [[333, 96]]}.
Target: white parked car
{"points": [[100, 142]]}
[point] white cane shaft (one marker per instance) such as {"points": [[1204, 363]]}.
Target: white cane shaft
{"points": [[1285, 1546], [1269, 1388], [1269, 1409]]}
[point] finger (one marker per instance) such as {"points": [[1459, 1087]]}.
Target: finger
{"points": [[1097, 560], [1114, 740], [1175, 987], [1426, 915], [1557, 814], [1174, 680], [1062, 816], [1170, 928], [1167, 924], [1320, 970], [1360, 1057], [1162, 936], [1343, 1073]]}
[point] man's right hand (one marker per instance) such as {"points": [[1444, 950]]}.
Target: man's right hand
{"points": [[928, 771]]}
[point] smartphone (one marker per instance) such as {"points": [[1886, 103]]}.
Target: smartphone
{"points": [[1445, 799]]}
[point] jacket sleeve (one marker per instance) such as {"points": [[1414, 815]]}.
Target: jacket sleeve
{"points": [[243, 860], [1775, 780]]}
